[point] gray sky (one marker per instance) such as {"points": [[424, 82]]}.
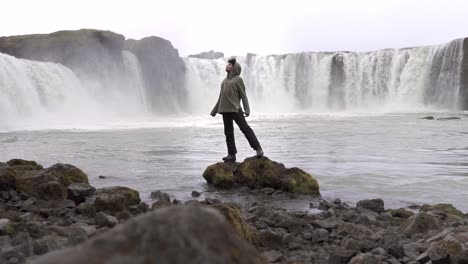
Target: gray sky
{"points": [[240, 26]]}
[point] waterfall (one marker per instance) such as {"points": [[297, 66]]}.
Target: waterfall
{"points": [[43, 94], [408, 79]]}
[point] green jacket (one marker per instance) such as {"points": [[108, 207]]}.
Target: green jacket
{"points": [[232, 91]]}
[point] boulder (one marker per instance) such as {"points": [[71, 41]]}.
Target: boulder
{"points": [[221, 174], [376, 205], [234, 217], [419, 223], [261, 173], [444, 208], [67, 174], [131, 196], [7, 177], [453, 248], [103, 219], [48, 184], [78, 192], [181, 234]]}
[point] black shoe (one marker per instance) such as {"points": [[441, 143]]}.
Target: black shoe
{"points": [[259, 153], [230, 158]]}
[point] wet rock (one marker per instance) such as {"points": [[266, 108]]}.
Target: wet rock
{"points": [[320, 235], [272, 238], [400, 213], [160, 204], [358, 231], [449, 118], [376, 205], [48, 243], [212, 201], [453, 248], [110, 203], [103, 219], [393, 244], [87, 209], [292, 242], [179, 233], [158, 195], [445, 208], [419, 223], [67, 174], [221, 174], [340, 255], [195, 194], [24, 165], [268, 191], [330, 223], [132, 197], [428, 118], [263, 172], [6, 227], [78, 192], [7, 178], [366, 258], [234, 217], [273, 256]]}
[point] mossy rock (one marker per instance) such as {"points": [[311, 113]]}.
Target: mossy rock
{"points": [[111, 203], [234, 217], [132, 197], [400, 213], [68, 174], [35, 182], [259, 173], [221, 174], [7, 177], [24, 165], [445, 208], [299, 181], [52, 190]]}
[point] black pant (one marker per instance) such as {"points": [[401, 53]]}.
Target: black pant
{"points": [[244, 127]]}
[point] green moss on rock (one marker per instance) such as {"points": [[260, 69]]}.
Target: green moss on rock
{"points": [[298, 181], [221, 175], [234, 217], [132, 197], [446, 208]]}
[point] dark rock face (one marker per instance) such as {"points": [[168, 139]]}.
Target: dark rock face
{"points": [[175, 234], [163, 72], [208, 55], [91, 53], [464, 77], [376, 205], [261, 173]]}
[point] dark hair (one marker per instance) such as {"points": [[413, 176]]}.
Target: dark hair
{"points": [[232, 60]]}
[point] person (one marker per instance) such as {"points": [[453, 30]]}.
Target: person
{"points": [[228, 105]]}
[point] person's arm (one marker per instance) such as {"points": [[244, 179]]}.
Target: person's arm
{"points": [[215, 108], [243, 96]]}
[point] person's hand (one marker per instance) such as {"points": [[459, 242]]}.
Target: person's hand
{"points": [[246, 114], [213, 115]]}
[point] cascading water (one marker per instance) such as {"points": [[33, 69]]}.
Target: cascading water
{"points": [[43, 95], [410, 79]]}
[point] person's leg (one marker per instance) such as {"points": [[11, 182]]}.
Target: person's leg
{"points": [[248, 132], [229, 132]]}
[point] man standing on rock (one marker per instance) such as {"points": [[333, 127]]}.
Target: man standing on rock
{"points": [[228, 105]]}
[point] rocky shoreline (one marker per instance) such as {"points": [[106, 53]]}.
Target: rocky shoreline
{"points": [[53, 215]]}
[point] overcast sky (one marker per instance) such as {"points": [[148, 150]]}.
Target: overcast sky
{"points": [[240, 26]]}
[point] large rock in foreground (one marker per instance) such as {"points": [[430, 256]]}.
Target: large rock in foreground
{"points": [[177, 234], [261, 173]]}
